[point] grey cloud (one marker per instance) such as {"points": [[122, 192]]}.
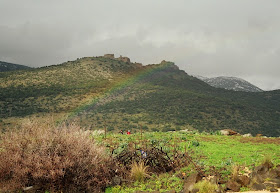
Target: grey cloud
{"points": [[210, 37]]}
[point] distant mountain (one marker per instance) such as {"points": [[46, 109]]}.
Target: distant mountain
{"points": [[98, 92], [5, 66], [230, 83]]}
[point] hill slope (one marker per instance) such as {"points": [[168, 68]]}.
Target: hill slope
{"points": [[231, 83], [99, 91], [5, 66]]}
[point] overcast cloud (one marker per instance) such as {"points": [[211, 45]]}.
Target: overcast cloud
{"points": [[204, 37]]}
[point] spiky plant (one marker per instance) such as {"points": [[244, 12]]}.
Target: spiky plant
{"points": [[139, 171]]}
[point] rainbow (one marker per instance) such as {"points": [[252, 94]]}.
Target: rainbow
{"points": [[119, 87]]}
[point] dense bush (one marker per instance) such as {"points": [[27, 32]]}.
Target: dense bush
{"points": [[56, 159]]}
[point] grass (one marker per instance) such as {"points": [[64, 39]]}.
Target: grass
{"points": [[226, 154], [205, 187], [139, 171]]}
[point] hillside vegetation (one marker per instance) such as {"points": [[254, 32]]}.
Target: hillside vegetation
{"points": [[110, 92], [5, 66]]}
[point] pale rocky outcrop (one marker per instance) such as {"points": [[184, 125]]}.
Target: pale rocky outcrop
{"points": [[229, 132], [124, 59], [111, 56]]}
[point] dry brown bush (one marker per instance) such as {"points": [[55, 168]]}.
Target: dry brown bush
{"points": [[55, 159]]}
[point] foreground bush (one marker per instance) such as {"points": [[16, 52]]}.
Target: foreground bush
{"points": [[56, 159]]}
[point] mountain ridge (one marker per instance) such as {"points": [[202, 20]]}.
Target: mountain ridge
{"points": [[230, 83], [101, 91], [6, 66]]}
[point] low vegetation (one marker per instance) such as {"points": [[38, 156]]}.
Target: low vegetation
{"points": [[139, 171], [55, 159], [70, 159], [205, 186]]}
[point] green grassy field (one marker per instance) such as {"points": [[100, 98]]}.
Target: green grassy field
{"points": [[210, 152]]}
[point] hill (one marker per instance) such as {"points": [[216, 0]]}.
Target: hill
{"points": [[231, 83], [5, 66], [113, 92]]}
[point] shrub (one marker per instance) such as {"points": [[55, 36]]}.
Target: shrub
{"points": [[205, 187], [139, 171], [56, 159]]}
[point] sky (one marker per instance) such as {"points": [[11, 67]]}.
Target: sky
{"points": [[209, 38]]}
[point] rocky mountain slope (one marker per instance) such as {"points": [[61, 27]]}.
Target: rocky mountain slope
{"points": [[5, 66], [230, 83], [114, 92]]}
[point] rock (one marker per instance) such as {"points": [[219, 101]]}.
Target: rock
{"points": [[273, 190], [269, 185], [257, 186], [243, 180], [116, 181], [276, 182], [261, 170], [224, 132], [247, 135], [277, 169], [190, 181], [228, 132], [233, 185], [195, 190], [124, 59], [258, 178], [111, 56], [272, 174], [214, 180], [221, 181]]}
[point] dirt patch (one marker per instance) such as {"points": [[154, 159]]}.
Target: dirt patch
{"points": [[260, 140]]}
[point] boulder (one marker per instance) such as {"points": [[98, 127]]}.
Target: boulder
{"points": [[233, 186], [273, 190], [224, 132], [243, 180], [190, 181], [258, 186], [247, 135], [229, 132]]}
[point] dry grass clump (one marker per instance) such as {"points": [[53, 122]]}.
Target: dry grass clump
{"points": [[55, 159], [235, 171], [267, 160], [205, 186], [139, 171]]}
